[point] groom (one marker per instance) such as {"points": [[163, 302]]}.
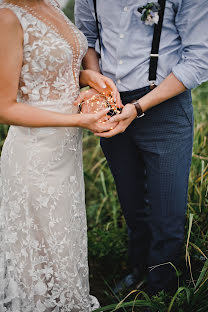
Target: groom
{"points": [[149, 151]]}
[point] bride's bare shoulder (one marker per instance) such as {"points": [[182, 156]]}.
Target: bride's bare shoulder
{"points": [[9, 22], [8, 19]]}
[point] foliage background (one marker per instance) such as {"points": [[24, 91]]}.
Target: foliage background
{"points": [[107, 236]]}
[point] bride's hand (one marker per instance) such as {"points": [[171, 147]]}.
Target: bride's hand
{"points": [[94, 122], [97, 102], [84, 96], [102, 84]]}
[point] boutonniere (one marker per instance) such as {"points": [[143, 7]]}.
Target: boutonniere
{"points": [[150, 13]]}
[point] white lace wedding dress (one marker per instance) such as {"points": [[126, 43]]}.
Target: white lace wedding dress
{"points": [[43, 230]]}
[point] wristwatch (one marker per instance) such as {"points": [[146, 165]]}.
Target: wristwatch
{"points": [[138, 108]]}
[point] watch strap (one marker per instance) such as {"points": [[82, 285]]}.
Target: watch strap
{"points": [[139, 110]]}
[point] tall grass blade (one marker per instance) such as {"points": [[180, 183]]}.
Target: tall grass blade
{"points": [[191, 216], [198, 249], [202, 275], [188, 294], [201, 187]]}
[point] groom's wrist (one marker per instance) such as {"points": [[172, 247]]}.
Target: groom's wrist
{"points": [[138, 108]]}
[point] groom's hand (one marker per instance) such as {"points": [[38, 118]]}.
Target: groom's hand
{"points": [[101, 84], [124, 119]]}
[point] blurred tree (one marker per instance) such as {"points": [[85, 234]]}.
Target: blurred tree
{"points": [[69, 10]]}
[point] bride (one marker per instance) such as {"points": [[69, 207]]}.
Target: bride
{"points": [[43, 230]]}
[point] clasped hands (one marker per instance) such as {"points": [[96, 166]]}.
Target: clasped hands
{"points": [[104, 125]]}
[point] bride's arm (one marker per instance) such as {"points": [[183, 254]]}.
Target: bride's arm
{"points": [[21, 114]]}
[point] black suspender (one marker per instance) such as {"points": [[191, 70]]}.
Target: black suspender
{"points": [[97, 24], [155, 42]]}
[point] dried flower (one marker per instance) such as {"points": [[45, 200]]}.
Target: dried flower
{"points": [[150, 13]]}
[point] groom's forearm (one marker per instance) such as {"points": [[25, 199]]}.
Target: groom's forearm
{"points": [[91, 60], [169, 88]]}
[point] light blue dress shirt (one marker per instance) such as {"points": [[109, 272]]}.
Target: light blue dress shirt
{"points": [[127, 41]]}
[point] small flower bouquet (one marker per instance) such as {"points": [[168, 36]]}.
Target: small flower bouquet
{"points": [[150, 13]]}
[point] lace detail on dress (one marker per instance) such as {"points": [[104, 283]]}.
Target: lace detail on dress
{"points": [[43, 228], [50, 70]]}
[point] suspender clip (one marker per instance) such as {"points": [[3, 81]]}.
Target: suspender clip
{"points": [[152, 84], [154, 55]]}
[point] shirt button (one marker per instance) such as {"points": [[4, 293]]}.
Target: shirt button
{"points": [[120, 62], [121, 36], [125, 9], [118, 81]]}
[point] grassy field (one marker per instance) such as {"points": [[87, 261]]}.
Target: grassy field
{"points": [[107, 229]]}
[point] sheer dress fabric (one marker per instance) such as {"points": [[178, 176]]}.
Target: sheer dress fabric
{"points": [[43, 229]]}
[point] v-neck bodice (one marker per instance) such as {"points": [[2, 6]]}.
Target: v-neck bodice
{"points": [[51, 59]]}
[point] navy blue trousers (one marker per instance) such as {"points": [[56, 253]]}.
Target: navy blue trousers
{"points": [[150, 163]]}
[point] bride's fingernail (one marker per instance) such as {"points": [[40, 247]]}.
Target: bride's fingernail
{"points": [[104, 86]]}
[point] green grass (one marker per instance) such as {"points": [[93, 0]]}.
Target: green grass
{"points": [[107, 235]]}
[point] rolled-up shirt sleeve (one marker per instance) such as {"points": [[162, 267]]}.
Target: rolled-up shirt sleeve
{"points": [[192, 25], [85, 21]]}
